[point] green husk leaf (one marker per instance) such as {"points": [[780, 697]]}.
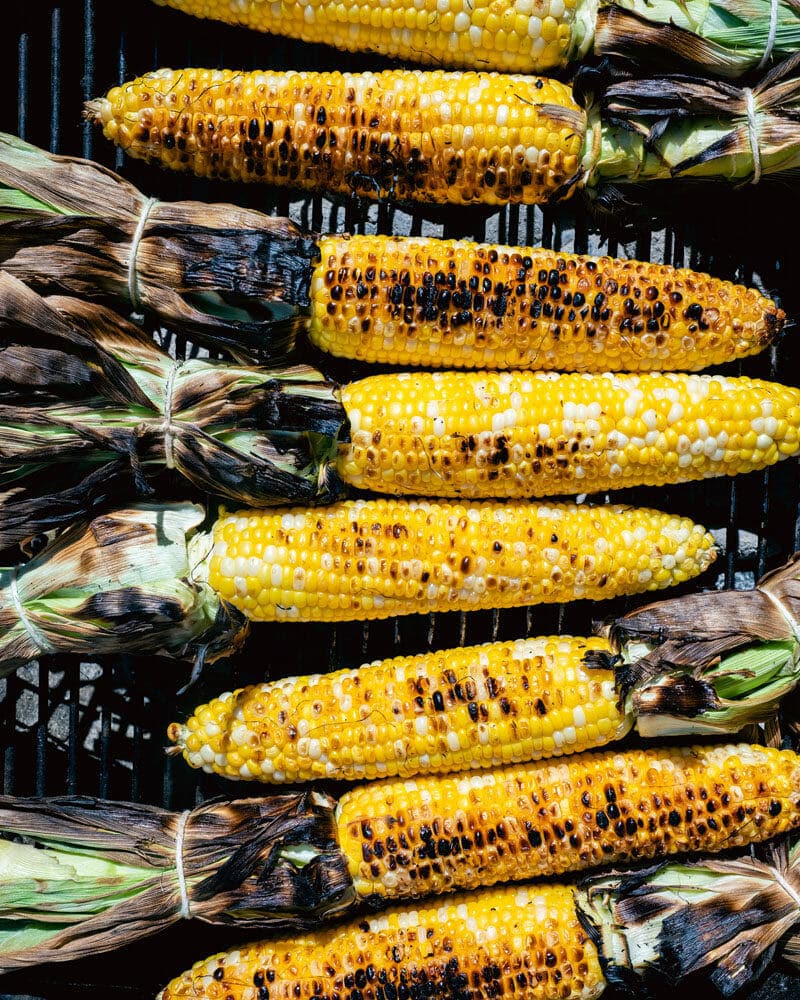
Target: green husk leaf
{"points": [[720, 919], [131, 581], [709, 662], [91, 410], [668, 127], [726, 38], [93, 875], [229, 277]]}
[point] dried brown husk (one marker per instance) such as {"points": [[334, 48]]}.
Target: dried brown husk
{"points": [[666, 127], [228, 277], [719, 919], [91, 409], [126, 582], [236, 859]]}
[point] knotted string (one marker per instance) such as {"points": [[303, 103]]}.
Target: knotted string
{"points": [[179, 838], [752, 131], [35, 634], [133, 279]]}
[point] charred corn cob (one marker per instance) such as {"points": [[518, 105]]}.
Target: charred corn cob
{"points": [[453, 137], [511, 434], [526, 942], [426, 136], [454, 304], [435, 834], [377, 558], [506, 702], [453, 710], [352, 560], [536, 942]]}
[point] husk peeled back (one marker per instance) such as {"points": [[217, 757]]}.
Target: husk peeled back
{"points": [[711, 662], [91, 409], [727, 38], [225, 276], [103, 874], [683, 127], [723, 920], [127, 582]]}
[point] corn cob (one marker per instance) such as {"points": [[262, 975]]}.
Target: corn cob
{"points": [[352, 560], [454, 304], [546, 942], [448, 711], [726, 38], [376, 558], [435, 136], [462, 138], [518, 435], [436, 834], [526, 942]]}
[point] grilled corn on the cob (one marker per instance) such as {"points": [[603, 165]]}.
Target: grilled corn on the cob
{"points": [[435, 834], [376, 558], [527, 942], [453, 710], [454, 304], [461, 138], [513, 434]]}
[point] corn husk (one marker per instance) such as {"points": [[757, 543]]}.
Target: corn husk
{"points": [[724, 920], [710, 662], [682, 127], [726, 38], [125, 583], [92, 875], [223, 275], [91, 409]]}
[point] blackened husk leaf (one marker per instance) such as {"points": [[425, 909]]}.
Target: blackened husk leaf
{"points": [[719, 919], [92, 409], [692, 632], [226, 276], [234, 860], [131, 581]]}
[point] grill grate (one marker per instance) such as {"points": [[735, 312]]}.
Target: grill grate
{"points": [[99, 729]]}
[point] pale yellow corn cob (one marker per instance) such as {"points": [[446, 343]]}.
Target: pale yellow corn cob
{"points": [[414, 301], [428, 136], [525, 942], [435, 834], [377, 558], [524, 36], [452, 710], [515, 434]]}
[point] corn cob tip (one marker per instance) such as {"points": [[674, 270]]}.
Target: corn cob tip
{"points": [[176, 734], [97, 111]]}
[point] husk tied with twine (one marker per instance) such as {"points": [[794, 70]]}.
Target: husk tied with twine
{"points": [[92, 875], [91, 409], [128, 582], [711, 662], [223, 275], [656, 128]]}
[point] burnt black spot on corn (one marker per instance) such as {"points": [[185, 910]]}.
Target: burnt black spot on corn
{"points": [[429, 136], [642, 804]]}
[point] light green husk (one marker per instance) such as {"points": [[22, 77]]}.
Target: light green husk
{"points": [[721, 919], [92, 875], [726, 38], [92, 410], [126, 582], [709, 663]]}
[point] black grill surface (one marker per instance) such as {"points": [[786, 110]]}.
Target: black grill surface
{"points": [[99, 729]]}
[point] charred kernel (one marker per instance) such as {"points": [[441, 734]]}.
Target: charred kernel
{"points": [[695, 311], [674, 818]]}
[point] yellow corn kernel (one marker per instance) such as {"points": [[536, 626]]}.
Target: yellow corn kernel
{"points": [[436, 834], [452, 304], [377, 558], [373, 133], [518, 434], [525, 942], [452, 710]]}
